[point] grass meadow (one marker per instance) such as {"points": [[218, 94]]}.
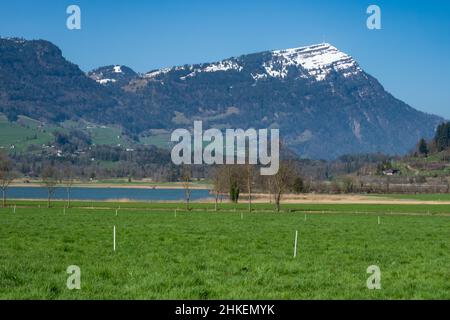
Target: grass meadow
{"points": [[164, 252], [422, 197]]}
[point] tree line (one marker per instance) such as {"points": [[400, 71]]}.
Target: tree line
{"points": [[51, 177], [235, 180], [440, 142]]}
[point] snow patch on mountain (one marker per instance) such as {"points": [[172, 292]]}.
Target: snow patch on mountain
{"points": [[225, 65], [156, 73], [258, 76], [105, 81], [318, 60], [118, 74], [222, 66]]}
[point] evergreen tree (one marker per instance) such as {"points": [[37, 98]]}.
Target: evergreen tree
{"points": [[423, 147], [442, 137], [298, 185], [234, 192]]}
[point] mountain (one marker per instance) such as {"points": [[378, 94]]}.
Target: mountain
{"points": [[36, 81], [113, 75], [322, 101]]}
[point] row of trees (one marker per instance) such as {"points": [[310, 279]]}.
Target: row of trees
{"points": [[442, 137], [233, 180], [51, 177]]}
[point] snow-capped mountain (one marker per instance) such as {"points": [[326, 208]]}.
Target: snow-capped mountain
{"points": [[115, 74], [318, 61], [322, 101], [315, 62]]}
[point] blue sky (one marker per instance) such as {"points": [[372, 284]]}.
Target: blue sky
{"points": [[410, 55]]}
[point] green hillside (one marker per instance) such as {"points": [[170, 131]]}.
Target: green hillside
{"points": [[17, 136]]}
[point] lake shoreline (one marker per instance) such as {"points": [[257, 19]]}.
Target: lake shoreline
{"points": [[115, 186], [99, 193], [175, 194]]}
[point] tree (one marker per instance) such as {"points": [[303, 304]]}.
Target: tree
{"points": [[234, 191], [6, 175], [234, 177], [268, 185], [186, 176], [423, 147], [298, 185], [216, 187], [442, 137], [68, 177], [249, 171], [49, 177], [218, 176], [349, 184], [281, 182]]}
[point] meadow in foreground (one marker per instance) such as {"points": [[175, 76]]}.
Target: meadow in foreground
{"points": [[228, 254]]}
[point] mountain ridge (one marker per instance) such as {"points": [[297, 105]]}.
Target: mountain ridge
{"points": [[304, 56], [323, 102]]}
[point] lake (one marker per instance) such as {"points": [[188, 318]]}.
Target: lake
{"points": [[80, 193]]}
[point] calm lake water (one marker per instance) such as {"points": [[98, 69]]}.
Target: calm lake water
{"points": [[107, 194]]}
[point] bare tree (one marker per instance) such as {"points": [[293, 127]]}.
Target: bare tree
{"points": [[49, 177], [268, 184], [249, 170], [186, 176], [6, 175], [68, 177], [281, 182], [388, 185], [349, 184], [219, 185]]}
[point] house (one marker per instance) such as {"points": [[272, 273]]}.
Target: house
{"points": [[391, 172]]}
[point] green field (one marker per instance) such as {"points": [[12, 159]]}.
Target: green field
{"points": [[22, 134], [26, 132], [204, 254], [159, 140], [423, 197], [108, 136]]}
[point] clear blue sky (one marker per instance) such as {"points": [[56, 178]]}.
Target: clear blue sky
{"points": [[410, 55]]}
